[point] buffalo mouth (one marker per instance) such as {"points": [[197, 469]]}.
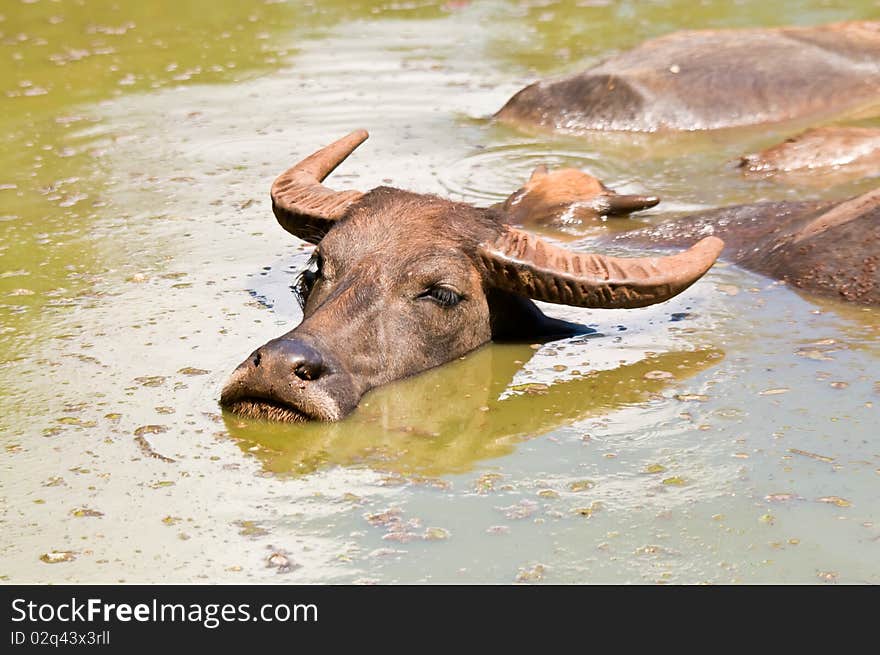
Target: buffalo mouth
{"points": [[265, 409], [266, 390]]}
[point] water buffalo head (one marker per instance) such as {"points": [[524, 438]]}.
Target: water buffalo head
{"points": [[568, 196], [400, 282]]}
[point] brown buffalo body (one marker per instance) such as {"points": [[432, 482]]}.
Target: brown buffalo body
{"points": [[702, 80], [856, 149], [830, 248]]}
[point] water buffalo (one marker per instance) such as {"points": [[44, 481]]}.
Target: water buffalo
{"points": [[710, 79], [568, 196], [850, 150], [401, 282], [831, 248]]}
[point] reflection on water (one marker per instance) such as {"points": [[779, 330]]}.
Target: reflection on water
{"points": [[447, 419], [859, 326]]}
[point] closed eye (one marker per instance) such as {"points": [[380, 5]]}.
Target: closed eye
{"points": [[304, 282], [443, 296]]}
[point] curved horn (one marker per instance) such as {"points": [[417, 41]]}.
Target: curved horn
{"points": [[615, 204], [305, 207], [529, 266]]}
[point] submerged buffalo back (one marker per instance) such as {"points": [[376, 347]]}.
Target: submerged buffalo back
{"points": [[826, 247], [837, 250], [856, 148], [712, 79], [589, 101]]}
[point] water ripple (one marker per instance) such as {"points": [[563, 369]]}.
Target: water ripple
{"points": [[490, 174]]}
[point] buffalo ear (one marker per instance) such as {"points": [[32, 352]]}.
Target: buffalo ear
{"points": [[305, 207], [539, 172], [527, 265]]}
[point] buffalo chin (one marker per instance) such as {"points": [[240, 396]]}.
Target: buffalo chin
{"points": [[266, 410], [256, 392]]}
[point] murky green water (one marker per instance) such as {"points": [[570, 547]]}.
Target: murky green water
{"points": [[728, 435]]}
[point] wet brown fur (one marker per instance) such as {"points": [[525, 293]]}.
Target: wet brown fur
{"points": [[831, 248], [367, 314], [568, 196], [710, 79], [856, 149]]}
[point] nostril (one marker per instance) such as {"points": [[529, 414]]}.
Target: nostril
{"points": [[308, 370], [288, 358]]}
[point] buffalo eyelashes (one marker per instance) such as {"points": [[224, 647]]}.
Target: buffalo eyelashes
{"points": [[302, 287], [305, 282], [443, 296]]}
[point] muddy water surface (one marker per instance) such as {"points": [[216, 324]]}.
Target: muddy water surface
{"points": [[727, 435]]}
